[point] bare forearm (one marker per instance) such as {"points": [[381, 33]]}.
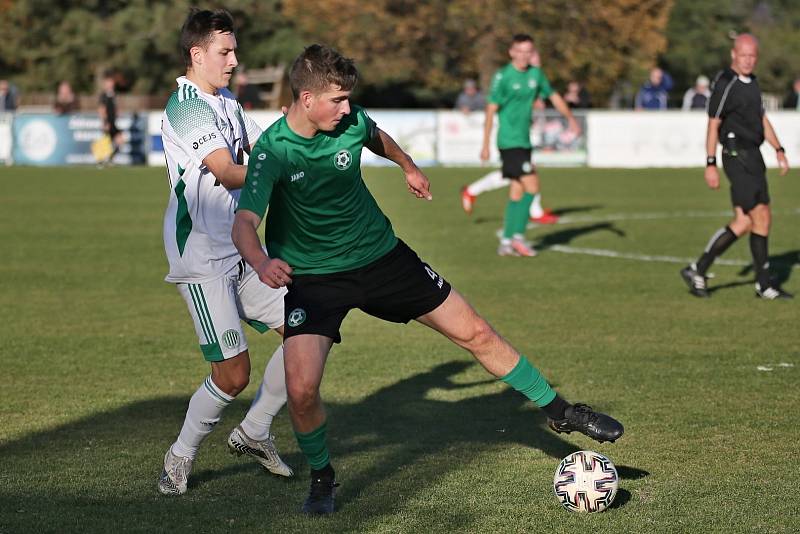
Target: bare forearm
{"points": [[383, 145], [488, 123], [770, 135], [712, 137], [245, 237], [561, 106]]}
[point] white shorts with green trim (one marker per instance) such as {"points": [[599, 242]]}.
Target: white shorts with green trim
{"points": [[219, 307]]}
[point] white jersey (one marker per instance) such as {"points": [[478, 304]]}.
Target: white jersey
{"points": [[199, 216]]}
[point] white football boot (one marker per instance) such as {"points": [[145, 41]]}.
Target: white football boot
{"points": [[264, 452], [175, 474]]}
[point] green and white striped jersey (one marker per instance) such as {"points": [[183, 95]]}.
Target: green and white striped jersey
{"points": [[200, 212]]}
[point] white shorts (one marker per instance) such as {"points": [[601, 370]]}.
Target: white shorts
{"points": [[219, 307]]}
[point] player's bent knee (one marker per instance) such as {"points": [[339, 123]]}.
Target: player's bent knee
{"points": [[479, 334]]}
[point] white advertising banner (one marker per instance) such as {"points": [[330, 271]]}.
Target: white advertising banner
{"points": [[5, 137], [646, 139], [460, 138], [414, 131]]}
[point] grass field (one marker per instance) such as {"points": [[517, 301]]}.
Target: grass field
{"points": [[99, 359]]}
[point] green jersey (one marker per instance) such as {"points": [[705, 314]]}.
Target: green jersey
{"points": [[322, 218], [514, 93]]}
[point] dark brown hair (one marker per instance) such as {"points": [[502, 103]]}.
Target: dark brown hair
{"points": [[199, 29], [319, 67]]}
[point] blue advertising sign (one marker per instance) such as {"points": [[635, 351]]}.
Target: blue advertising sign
{"points": [[45, 139]]}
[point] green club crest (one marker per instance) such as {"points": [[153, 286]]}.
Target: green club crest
{"points": [[296, 317], [342, 160]]}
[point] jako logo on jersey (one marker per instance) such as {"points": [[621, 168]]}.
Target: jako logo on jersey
{"points": [[231, 339], [296, 317], [204, 139], [342, 160], [296, 176]]}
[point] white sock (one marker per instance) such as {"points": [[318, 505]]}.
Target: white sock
{"points": [[269, 400], [205, 409], [490, 182], [536, 206]]}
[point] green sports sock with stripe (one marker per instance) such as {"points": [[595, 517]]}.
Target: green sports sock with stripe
{"points": [[512, 210], [526, 379], [314, 446], [521, 220]]}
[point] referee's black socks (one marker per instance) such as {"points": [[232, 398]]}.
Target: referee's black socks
{"points": [[719, 243], [758, 247]]}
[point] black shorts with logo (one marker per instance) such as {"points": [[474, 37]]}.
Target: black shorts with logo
{"points": [[516, 162], [747, 175], [397, 287]]}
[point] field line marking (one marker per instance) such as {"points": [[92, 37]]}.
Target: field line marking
{"points": [[640, 257]]}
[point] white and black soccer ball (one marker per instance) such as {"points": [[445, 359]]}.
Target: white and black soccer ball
{"points": [[586, 481]]}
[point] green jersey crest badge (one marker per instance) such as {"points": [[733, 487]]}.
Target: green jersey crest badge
{"points": [[342, 160]]}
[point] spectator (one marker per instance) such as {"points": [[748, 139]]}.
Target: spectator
{"points": [[653, 93], [65, 99], [697, 97], [470, 99], [248, 95], [577, 97], [8, 96], [108, 113], [793, 99]]}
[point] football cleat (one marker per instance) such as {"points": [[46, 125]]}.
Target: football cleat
{"points": [[581, 418], [522, 248], [467, 200], [545, 218], [320, 496], [505, 249], [175, 475], [263, 452], [695, 281], [772, 293]]}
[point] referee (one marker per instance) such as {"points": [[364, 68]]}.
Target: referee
{"points": [[736, 119]]}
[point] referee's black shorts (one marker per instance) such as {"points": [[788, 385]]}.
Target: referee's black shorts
{"points": [[397, 287], [516, 162], [747, 175]]}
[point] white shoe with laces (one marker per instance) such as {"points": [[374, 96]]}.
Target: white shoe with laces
{"points": [[175, 475], [263, 452]]}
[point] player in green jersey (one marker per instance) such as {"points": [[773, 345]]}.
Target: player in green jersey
{"points": [[335, 250], [515, 88]]}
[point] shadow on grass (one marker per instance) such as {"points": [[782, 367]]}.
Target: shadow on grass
{"points": [[387, 448], [562, 237], [560, 212], [780, 266]]}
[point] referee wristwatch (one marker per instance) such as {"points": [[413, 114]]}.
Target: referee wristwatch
{"points": [[780, 149], [711, 161]]}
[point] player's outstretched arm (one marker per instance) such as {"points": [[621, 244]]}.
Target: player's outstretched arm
{"points": [[272, 271], [488, 122], [229, 174], [772, 139], [562, 107], [383, 145], [711, 174]]}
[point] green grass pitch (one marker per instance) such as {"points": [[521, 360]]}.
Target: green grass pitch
{"points": [[99, 359]]}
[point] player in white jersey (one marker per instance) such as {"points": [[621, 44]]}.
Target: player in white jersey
{"points": [[205, 132]]}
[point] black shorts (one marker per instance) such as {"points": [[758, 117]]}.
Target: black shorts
{"points": [[516, 162], [747, 175], [397, 287]]}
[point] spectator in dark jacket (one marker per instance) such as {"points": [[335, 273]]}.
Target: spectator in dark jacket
{"points": [[653, 93]]}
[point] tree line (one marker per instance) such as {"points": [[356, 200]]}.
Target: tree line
{"points": [[410, 53]]}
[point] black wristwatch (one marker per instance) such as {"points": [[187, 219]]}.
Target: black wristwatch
{"points": [[711, 161], [780, 149]]}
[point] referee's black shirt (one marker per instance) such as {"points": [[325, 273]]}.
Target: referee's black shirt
{"points": [[737, 101]]}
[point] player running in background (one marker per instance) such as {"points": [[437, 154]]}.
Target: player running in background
{"points": [[336, 250], [494, 179], [737, 120], [515, 88], [205, 132]]}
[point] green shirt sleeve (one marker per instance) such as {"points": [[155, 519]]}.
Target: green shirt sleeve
{"points": [[263, 172], [370, 127], [497, 91]]}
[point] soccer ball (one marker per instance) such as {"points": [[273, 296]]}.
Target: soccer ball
{"points": [[586, 481]]}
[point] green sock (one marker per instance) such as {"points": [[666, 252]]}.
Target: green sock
{"points": [[527, 380], [524, 213], [511, 216], [314, 446]]}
